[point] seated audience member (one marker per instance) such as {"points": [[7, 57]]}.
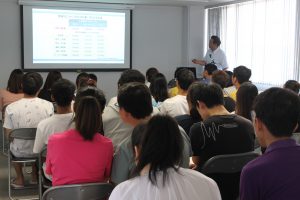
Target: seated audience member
{"points": [[150, 74], [292, 85], [93, 79], [241, 74], [26, 113], [207, 73], [52, 77], [187, 120], [13, 91], [178, 105], [159, 89], [62, 92], [113, 126], [244, 99], [158, 173], [275, 174], [219, 133], [172, 86], [221, 78], [134, 100], [80, 155]]}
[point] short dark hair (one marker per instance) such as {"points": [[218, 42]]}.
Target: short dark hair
{"points": [[210, 68], [82, 75], [88, 119], [185, 78], [230, 74], [135, 98], [211, 95], [216, 40], [151, 73], [220, 77], [159, 88], [279, 110], [242, 74], [92, 91], [63, 92], [32, 83], [292, 85], [244, 99], [93, 77], [161, 147], [14, 83], [131, 75]]}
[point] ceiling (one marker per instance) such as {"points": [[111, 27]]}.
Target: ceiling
{"points": [[160, 2]]}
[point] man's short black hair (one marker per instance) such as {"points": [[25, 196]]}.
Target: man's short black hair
{"points": [[32, 83], [82, 75], [63, 92], [135, 98], [216, 40], [242, 74], [211, 95], [279, 110], [292, 85], [151, 73], [131, 75], [210, 68], [93, 77], [185, 78]]}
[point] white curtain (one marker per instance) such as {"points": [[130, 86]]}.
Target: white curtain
{"points": [[262, 35]]}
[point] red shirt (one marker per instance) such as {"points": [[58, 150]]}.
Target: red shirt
{"points": [[71, 159]]}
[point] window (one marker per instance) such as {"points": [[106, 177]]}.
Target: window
{"points": [[261, 35]]}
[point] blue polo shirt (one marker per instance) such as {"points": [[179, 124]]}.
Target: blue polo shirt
{"points": [[274, 175]]}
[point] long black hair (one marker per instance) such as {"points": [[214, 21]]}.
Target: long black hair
{"points": [[14, 83]]}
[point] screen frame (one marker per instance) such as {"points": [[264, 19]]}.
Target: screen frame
{"points": [[76, 69]]}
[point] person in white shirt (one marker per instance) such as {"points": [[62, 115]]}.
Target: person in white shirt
{"points": [[178, 105], [214, 55], [158, 175], [62, 92], [26, 113]]}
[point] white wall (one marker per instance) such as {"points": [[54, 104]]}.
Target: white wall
{"points": [[159, 37]]}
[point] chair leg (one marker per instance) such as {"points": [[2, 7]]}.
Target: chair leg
{"points": [[9, 177]]}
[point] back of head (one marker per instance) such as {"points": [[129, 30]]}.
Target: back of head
{"points": [[161, 147], [52, 77], [216, 40], [210, 68], [230, 74], [211, 95], [220, 77], [159, 88], [87, 116], [242, 74], [32, 83], [151, 73], [292, 85], [279, 110], [14, 83], [135, 98], [244, 99], [94, 92], [80, 77], [63, 92], [131, 75], [185, 78], [93, 77]]}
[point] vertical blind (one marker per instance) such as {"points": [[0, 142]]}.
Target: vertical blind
{"points": [[262, 35]]}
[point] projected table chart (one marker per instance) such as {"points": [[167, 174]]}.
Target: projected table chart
{"points": [[66, 36]]}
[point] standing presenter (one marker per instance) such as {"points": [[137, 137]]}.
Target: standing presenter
{"points": [[214, 55]]}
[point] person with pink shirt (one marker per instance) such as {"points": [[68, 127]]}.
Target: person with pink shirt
{"points": [[13, 91], [82, 154]]}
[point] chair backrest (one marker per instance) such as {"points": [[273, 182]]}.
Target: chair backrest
{"points": [[23, 133], [88, 191], [230, 163]]}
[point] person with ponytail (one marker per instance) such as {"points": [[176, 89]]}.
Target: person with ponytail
{"points": [[82, 154], [158, 151]]}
